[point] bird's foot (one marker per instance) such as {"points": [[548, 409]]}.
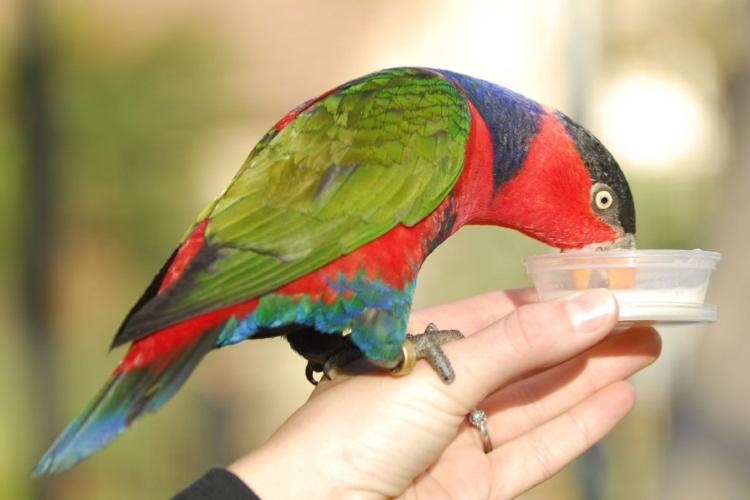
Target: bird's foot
{"points": [[337, 359], [422, 346], [427, 346]]}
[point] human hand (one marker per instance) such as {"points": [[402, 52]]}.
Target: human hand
{"points": [[550, 389]]}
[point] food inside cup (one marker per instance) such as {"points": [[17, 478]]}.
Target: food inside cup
{"points": [[657, 286]]}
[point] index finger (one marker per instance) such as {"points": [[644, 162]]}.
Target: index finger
{"points": [[472, 314]]}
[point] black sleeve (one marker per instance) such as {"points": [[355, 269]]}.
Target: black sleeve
{"points": [[217, 484]]}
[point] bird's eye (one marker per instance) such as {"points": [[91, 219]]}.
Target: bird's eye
{"points": [[603, 199]]}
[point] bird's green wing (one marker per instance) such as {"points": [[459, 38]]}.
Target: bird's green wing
{"points": [[379, 151]]}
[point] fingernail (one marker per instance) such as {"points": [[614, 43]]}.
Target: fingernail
{"points": [[589, 310]]}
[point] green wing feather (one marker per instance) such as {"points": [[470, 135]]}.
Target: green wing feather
{"points": [[379, 151]]}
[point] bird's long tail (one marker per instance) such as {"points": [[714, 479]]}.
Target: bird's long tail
{"points": [[146, 378]]}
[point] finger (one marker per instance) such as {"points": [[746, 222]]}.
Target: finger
{"points": [[541, 453], [528, 403], [533, 336], [472, 314]]}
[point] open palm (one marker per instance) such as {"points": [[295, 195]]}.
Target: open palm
{"points": [[551, 382]]}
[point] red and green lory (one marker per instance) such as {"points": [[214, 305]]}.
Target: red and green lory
{"points": [[320, 235]]}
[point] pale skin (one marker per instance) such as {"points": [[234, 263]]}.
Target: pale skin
{"points": [[551, 385]]}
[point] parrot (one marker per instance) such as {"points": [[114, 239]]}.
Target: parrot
{"points": [[320, 235]]}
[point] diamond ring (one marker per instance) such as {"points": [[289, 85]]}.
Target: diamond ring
{"points": [[478, 419]]}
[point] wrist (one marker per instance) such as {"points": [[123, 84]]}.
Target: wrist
{"points": [[261, 473], [278, 471]]}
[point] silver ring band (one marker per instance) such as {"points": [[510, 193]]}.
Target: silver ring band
{"points": [[478, 419]]}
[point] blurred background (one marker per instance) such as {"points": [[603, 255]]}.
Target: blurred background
{"points": [[120, 120]]}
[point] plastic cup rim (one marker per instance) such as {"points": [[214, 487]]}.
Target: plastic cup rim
{"points": [[702, 259]]}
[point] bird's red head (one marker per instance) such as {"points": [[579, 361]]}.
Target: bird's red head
{"points": [[568, 192], [541, 173]]}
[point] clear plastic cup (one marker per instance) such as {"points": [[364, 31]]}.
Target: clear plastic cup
{"points": [[653, 286]]}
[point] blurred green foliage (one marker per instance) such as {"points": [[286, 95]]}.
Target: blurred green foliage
{"points": [[674, 213], [128, 123], [10, 162], [128, 126]]}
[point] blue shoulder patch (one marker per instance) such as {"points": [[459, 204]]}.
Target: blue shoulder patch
{"points": [[512, 120]]}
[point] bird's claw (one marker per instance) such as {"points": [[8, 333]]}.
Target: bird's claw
{"points": [[310, 371], [427, 346], [336, 360]]}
